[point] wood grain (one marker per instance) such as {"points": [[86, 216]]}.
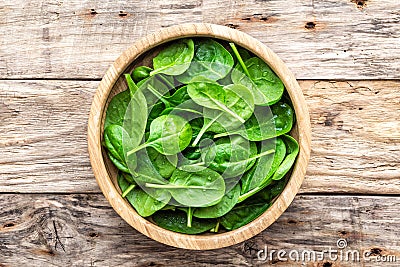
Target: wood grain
{"points": [[318, 39], [92, 234], [355, 136]]}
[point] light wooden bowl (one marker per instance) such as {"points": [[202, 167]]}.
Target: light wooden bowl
{"points": [[105, 173]]}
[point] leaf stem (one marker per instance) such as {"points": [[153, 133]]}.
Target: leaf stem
{"points": [[203, 130], [173, 186], [239, 58], [255, 190], [131, 85], [166, 81], [227, 110], [137, 149], [129, 189], [159, 95], [189, 217], [222, 134]]}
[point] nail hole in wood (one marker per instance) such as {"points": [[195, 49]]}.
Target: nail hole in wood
{"points": [[310, 25], [327, 264], [375, 252], [231, 25], [93, 235], [122, 14], [93, 12], [9, 225]]}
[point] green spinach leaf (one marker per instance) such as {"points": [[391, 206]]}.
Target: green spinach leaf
{"points": [[265, 124], [169, 134], [174, 59], [228, 201], [201, 188], [211, 61], [256, 74], [177, 221], [292, 151]]}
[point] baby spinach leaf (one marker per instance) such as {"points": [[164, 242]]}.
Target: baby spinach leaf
{"points": [[194, 189], [239, 100], [116, 109], [155, 111], [155, 89], [292, 151], [135, 121], [120, 165], [174, 59], [256, 74], [265, 166], [232, 156], [211, 61], [177, 221], [165, 165], [228, 201], [265, 124], [115, 140], [277, 161], [169, 134], [210, 95], [243, 213], [140, 73], [144, 204], [225, 108]]}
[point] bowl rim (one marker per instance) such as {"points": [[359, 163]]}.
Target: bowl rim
{"points": [[124, 209]]}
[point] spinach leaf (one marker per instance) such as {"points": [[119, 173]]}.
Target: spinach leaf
{"points": [[177, 221], [292, 151], [239, 100], [265, 166], [169, 134], [165, 165], [211, 61], [210, 95], [174, 59], [256, 74], [243, 213], [116, 139], [155, 89], [119, 164], [116, 109], [140, 73], [265, 124], [134, 121], [232, 156], [144, 204], [228, 201], [201, 188]]}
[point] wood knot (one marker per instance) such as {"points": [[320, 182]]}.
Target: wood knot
{"points": [[327, 264]]}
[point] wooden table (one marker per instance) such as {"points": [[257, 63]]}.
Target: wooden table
{"points": [[345, 53]]}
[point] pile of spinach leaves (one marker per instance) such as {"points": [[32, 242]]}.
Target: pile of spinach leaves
{"points": [[200, 138]]}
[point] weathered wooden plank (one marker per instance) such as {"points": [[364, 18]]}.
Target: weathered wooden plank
{"points": [[355, 136], [90, 233], [330, 39]]}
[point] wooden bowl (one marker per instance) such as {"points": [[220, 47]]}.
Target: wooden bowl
{"points": [[105, 173]]}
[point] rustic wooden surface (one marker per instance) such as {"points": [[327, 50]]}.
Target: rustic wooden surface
{"points": [[52, 55]]}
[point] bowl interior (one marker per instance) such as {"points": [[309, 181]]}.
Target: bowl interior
{"points": [[146, 60]]}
